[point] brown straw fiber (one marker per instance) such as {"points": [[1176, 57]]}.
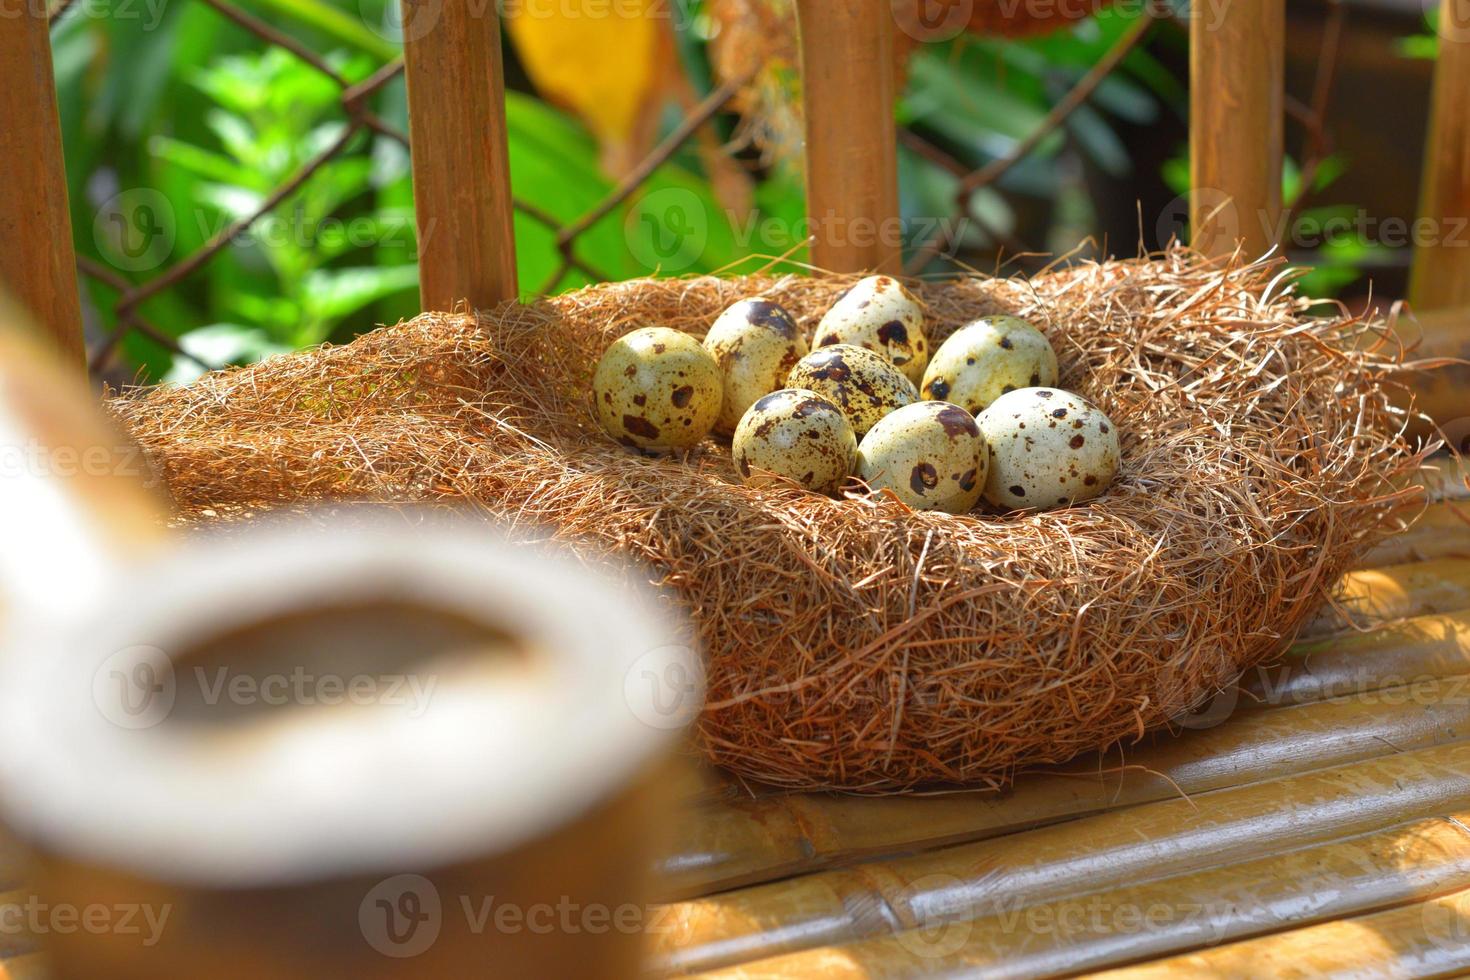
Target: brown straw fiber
{"points": [[854, 643]]}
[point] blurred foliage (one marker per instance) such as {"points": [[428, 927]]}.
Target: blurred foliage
{"points": [[176, 99]]}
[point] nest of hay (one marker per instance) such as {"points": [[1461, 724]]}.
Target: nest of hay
{"points": [[855, 643]]}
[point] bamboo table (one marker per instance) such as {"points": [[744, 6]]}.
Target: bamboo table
{"points": [[1317, 820], [1314, 821]]}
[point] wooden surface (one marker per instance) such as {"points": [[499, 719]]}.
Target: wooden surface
{"points": [[1441, 272], [461, 163], [1314, 825], [37, 262], [1236, 59], [851, 139]]}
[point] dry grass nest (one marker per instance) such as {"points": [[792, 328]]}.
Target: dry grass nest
{"points": [[855, 643]]}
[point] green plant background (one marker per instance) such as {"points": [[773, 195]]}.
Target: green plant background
{"points": [[213, 119]]}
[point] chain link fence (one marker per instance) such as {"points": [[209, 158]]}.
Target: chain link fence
{"points": [[924, 254]]}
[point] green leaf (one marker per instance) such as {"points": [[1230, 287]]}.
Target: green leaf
{"points": [[1424, 47], [199, 161], [335, 23], [222, 343], [1099, 142], [1175, 172], [332, 294]]}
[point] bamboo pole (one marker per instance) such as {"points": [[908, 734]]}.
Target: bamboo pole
{"points": [[847, 68], [1236, 68], [744, 842], [38, 266], [1422, 939], [1379, 595], [1112, 850], [76, 498], [461, 161], [32, 966], [1440, 276], [1403, 863]]}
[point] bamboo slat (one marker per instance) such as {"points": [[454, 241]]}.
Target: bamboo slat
{"points": [[1443, 392], [1424, 939], [1396, 658], [1441, 272], [742, 842], [1442, 531], [848, 93], [37, 262], [1400, 864], [1236, 71], [1372, 596], [1107, 851], [1447, 478], [461, 157]]}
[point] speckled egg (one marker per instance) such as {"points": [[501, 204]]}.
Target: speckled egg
{"points": [[881, 315], [657, 390], [795, 434], [930, 454], [756, 344], [1047, 447], [865, 385], [987, 358]]}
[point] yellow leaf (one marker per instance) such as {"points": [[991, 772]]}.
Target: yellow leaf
{"points": [[607, 62]]}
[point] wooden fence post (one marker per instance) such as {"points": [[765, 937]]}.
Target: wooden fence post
{"points": [[38, 265], [1441, 271], [461, 159], [1236, 67], [851, 140]]}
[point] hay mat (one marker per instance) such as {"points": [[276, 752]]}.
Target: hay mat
{"points": [[853, 643]]}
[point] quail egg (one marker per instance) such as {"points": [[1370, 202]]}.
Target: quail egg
{"points": [[881, 315], [987, 358], [796, 434], [756, 343], [657, 389], [1047, 447], [931, 455], [865, 385]]}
